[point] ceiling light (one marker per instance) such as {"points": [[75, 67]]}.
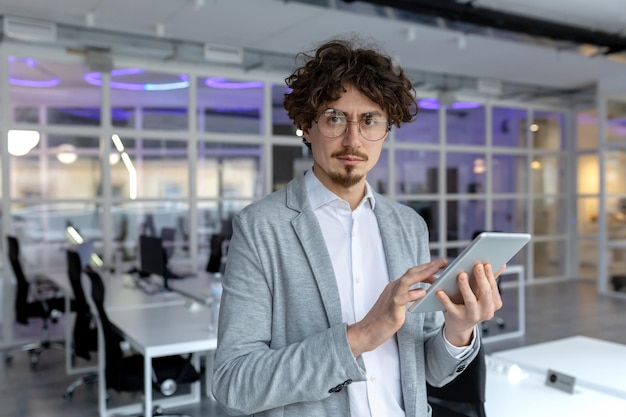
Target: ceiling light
{"points": [[226, 84], [66, 154], [48, 79], [95, 78], [534, 127], [22, 141]]}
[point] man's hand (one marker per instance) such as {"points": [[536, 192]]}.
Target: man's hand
{"points": [[462, 318], [388, 314]]}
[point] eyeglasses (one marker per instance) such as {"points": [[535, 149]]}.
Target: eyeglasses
{"points": [[334, 123]]}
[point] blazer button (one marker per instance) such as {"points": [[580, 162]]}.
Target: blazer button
{"points": [[340, 386], [336, 389]]}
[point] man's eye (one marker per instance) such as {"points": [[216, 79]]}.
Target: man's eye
{"points": [[369, 122], [335, 120]]}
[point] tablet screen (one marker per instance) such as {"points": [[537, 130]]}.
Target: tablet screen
{"points": [[496, 248]]}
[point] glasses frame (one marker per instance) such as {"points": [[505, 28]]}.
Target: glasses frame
{"points": [[358, 122]]}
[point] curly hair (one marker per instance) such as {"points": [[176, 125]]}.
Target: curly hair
{"points": [[326, 71]]}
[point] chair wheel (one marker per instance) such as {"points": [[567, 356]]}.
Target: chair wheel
{"points": [[157, 410], [67, 395], [34, 360]]}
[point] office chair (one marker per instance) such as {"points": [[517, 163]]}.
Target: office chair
{"points": [[214, 263], [85, 333], [465, 395], [41, 299], [124, 372]]}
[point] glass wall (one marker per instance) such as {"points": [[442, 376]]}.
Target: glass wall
{"points": [[166, 148]]}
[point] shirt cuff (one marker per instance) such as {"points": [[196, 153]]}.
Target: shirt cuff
{"points": [[460, 352]]}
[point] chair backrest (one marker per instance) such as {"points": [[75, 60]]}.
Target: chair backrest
{"points": [[112, 339], [21, 295], [215, 258], [85, 336], [463, 396], [168, 237]]}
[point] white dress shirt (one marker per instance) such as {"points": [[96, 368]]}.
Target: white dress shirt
{"points": [[356, 251]]}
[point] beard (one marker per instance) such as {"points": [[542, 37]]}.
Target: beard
{"points": [[347, 178]]}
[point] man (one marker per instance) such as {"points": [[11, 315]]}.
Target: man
{"points": [[315, 316]]}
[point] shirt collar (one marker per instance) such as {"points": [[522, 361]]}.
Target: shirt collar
{"points": [[319, 195]]}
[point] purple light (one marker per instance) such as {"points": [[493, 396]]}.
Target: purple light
{"points": [[95, 78], [232, 85], [429, 103], [34, 83], [433, 104], [23, 82], [466, 105]]}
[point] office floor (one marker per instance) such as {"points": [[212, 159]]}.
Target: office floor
{"points": [[553, 311]]}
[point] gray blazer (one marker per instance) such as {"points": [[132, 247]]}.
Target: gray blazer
{"points": [[282, 345]]}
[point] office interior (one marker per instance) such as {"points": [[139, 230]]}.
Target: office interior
{"points": [[170, 117]]}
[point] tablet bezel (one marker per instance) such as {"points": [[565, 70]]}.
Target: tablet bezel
{"points": [[496, 248]]}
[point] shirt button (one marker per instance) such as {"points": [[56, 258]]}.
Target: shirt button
{"points": [[357, 279], [372, 378]]}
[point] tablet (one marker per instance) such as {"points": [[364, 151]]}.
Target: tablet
{"points": [[496, 248]]}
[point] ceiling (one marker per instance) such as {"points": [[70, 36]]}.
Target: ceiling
{"points": [[439, 49]]}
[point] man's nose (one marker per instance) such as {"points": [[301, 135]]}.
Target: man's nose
{"points": [[353, 133]]}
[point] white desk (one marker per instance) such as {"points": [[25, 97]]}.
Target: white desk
{"points": [[160, 331], [197, 287], [121, 294], [596, 364], [506, 396]]}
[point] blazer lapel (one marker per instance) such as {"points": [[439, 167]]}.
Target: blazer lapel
{"points": [[309, 233]]}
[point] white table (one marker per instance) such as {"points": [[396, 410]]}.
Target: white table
{"points": [[596, 364], [155, 332], [509, 396], [197, 287], [121, 294]]}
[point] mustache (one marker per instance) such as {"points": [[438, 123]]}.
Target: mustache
{"points": [[350, 152]]}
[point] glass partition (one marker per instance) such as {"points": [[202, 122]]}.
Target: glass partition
{"points": [[289, 161], [425, 128], [229, 106], [229, 170], [151, 168], [616, 122], [547, 174], [466, 173], [548, 130], [465, 124], [417, 172], [509, 173], [509, 215], [508, 127], [587, 130]]}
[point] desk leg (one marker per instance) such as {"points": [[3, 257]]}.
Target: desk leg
{"points": [[147, 379], [102, 390]]}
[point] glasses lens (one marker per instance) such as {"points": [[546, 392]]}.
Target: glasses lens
{"points": [[332, 123], [373, 127]]}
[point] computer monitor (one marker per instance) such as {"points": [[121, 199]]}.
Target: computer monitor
{"points": [[152, 257]]}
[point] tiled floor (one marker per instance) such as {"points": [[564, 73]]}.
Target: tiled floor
{"points": [[553, 311]]}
